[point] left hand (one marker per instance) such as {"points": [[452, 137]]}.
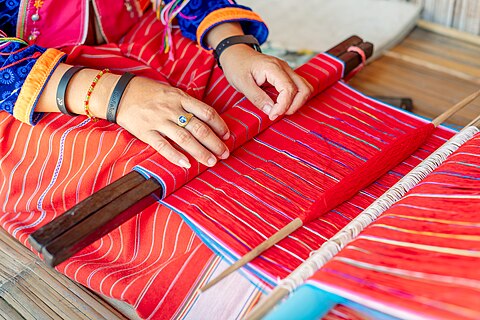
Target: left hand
{"points": [[246, 70]]}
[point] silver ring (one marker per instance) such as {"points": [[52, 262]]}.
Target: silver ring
{"points": [[184, 119]]}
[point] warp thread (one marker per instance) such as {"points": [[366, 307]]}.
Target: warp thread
{"points": [[326, 252]]}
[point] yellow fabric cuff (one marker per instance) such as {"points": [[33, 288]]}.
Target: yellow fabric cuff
{"points": [[224, 15], [34, 84]]}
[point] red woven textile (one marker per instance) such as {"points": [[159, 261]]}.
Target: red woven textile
{"points": [[278, 175], [155, 261], [420, 258], [367, 173]]}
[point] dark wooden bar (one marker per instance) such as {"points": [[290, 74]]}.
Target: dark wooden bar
{"points": [[101, 222], [342, 47], [84, 209], [116, 203], [353, 60]]}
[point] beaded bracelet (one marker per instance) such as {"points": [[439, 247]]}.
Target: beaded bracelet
{"points": [[89, 93]]}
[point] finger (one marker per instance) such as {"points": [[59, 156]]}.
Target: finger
{"points": [[286, 87], [163, 147], [255, 94], [303, 94], [208, 115], [188, 142], [205, 135]]}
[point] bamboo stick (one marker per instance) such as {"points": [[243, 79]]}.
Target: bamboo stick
{"points": [[267, 244], [458, 106], [449, 32], [474, 123]]}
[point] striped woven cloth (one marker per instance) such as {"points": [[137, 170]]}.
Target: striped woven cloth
{"points": [[156, 261], [273, 178]]}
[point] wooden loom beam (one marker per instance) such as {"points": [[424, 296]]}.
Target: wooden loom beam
{"points": [[116, 203]]}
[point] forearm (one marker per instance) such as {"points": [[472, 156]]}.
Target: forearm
{"points": [[222, 31], [77, 90]]}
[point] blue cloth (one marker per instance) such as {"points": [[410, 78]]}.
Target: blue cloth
{"points": [[307, 302], [8, 16], [197, 10]]}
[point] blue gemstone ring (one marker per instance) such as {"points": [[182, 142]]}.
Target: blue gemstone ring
{"points": [[184, 119]]}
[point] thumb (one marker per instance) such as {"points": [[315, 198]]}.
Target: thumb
{"points": [[256, 95]]}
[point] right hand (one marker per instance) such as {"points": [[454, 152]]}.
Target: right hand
{"points": [[149, 110]]}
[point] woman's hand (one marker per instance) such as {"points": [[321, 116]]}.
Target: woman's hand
{"points": [[247, 70], [150, 111]]}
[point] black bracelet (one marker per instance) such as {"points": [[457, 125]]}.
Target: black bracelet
{"points": [[230, 41], [62, 89], [117, 96]]}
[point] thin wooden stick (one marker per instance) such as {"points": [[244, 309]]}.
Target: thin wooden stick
{"points": [[297, 223], [451, 111], [268, 304], [258, 250], [475, 122]]}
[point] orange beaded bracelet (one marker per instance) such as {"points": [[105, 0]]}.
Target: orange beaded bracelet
{"points": [[89, 93]]}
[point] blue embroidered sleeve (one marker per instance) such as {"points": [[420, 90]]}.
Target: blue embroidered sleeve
{"points": [[16, 62], [16, 57], [199, 16]]}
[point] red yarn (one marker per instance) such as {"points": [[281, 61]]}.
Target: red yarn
{"points": [[420, 259], [369, 172]]}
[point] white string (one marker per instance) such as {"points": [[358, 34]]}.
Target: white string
{"points": [[319, 257]]}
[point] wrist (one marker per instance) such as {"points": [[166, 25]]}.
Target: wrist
{"points": [[232, 53], [221, 32], [78, 88], [101, 95], [235, 41]]}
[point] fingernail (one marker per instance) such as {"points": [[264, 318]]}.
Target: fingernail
{"points": [[267, 108], [184, 163], [226, 136], [273, 117], [225, 155], [211, 161]]}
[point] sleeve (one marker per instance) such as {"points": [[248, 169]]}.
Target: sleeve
{"points": [[197, 17], [24, 69]]}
